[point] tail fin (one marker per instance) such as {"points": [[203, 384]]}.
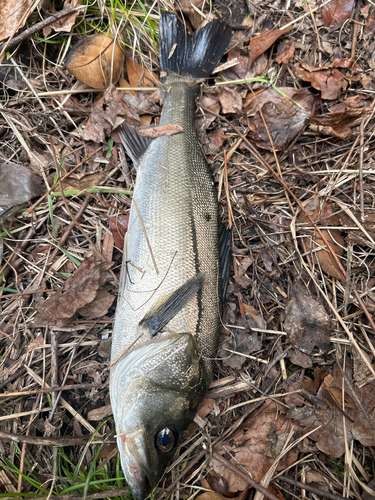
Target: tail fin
{"points": [[191, 55]]}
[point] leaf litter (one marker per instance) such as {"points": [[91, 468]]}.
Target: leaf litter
{"points": [[293, 393]]}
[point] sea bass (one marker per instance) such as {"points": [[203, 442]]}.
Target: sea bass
{"points": [[166, 329]]}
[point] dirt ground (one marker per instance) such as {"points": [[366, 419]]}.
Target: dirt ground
{"points": [[286, 123]]}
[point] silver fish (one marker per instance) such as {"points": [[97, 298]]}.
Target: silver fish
{"points": [[166, 329]]}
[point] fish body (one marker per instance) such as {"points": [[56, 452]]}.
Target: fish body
{"points": [[166, 329]]}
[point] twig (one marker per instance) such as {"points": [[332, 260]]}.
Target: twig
{"points": [[92, 496], [307, 487], [361, 148], [48, 390], [59, 442], [38, 27]]}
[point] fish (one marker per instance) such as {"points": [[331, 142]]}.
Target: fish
{"points": [[166, 329]]}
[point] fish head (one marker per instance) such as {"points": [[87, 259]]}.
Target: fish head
{"points": [[155, 391]]}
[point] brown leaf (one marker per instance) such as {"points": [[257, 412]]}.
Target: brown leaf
{"points": [[78, 290], [118, 224], [330, 82], [286, 54], [205, 407], [12, 16], [96, 60], [186, 6], [99, 413], [99, 306], [139, 76], [213, 495], [160, 130], [123, 83], [66, 23], [300, 358], [84, 181], [240, 343], [108, 112], [230, 100], [284, 118], [323, 213], [218, 138], [256, 446], [108, 244], [142, 103], [336, 12], [339, 124], [261, 43], [307, 324], [207, 103]]}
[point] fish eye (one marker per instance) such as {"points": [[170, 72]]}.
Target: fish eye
{"points": [[166, 439]]}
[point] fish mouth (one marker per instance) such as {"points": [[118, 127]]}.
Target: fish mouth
{"points": [[134, 461]]}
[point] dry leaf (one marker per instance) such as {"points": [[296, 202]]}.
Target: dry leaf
{"points": [[307, 324], [213, 495], [160, 130], [336, 12], [84, 181], [96, 60], [284, 118], [339, 124], [186, 6], [239, 343], [285, 52], [107, 114], [261, 43], [66, 23], [330, 82], [207, 103], [123, 83], [12, 13], [205, 407], [118, 224], [99, 413], [139, 76], [230, 100], [256, 446], [323, 214], [99, 306], [78, 290]]}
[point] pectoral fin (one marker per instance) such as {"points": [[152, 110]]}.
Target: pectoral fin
{"points": [[166, 309], [225, 240]]}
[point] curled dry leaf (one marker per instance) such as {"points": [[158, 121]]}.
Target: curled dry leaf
{"points": [[13, 16], [207, 103], [330, 82], [246, 68], [307, 324], [232, 351], [195, 18], [256, 446], [108, 112], [261, 43], [78, 290], [323, 213], [66, 23], [96, 60], [118, 224], [336, 12], [213, 495], [285, 52], [283, 117], [161, 130], [339, 124], [84, 181]]}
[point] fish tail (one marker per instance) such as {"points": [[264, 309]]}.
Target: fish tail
{"points": [[193, 55]]}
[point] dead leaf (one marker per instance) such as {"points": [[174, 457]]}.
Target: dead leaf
{"points": [[160, 130], [108, 244], [78, 290], [123, 83], [99, 306], [283, 117], [323, 214], [99, 413], [186, 6], [240, 343], [139, 76], [207, 103], [300, 358], [142, 103], [330, 82], [118, 224], [307, 324], [336, 12], [339, 124], [230, 100], [256, 446], [107, 114], [213, 495], [261, 43], [218, 137], [66, 23], [96, 60], [84, 181], [12, 16], [285, 52]]}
